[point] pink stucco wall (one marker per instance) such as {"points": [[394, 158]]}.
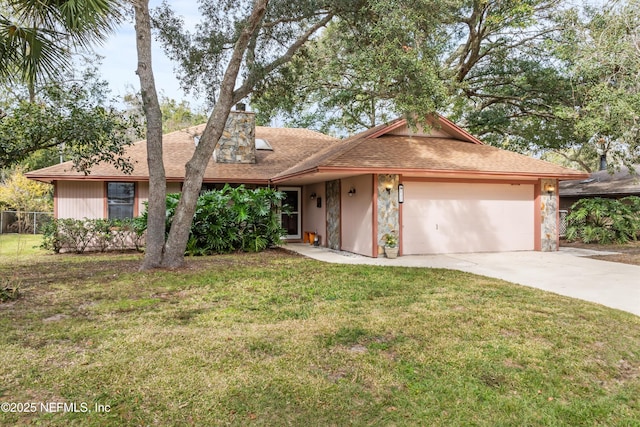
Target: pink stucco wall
{"points": [[314, 217], [357, 215]]}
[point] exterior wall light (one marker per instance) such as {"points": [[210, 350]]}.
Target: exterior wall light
{"points": [[351, 192], [549, 188], [313, 196], [388, 188]]}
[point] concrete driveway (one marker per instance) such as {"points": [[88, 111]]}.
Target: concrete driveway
{"points": [[567, 272]]}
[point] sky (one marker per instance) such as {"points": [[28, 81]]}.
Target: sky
{"points": [[120, 58]]}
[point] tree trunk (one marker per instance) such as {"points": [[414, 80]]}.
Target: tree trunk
{"points": [[194, 172], [157, 179]]}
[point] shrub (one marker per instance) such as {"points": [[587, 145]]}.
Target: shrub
{"points": [[599, 220], [100, 231], [231, 219], [79, 235], [51, 240]]}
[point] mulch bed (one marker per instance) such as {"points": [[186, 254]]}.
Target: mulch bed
{"points": [[627, 254]]}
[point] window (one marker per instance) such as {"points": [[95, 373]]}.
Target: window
{"points": [[120, 199]]}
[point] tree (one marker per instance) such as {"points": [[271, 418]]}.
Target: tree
{"points": [[22, 194], [255, 37], [604, 68], [534, 76], [69, 117], [366, 67], [572, 96], [37, 37], [175, 115], [37, 41], [405, 56], [504, 76], [179, 115], [156, 206]]}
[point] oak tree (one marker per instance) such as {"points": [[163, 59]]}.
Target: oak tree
{"points": [[237, 44], [69, 119]]}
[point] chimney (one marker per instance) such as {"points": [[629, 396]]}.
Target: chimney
{"points": [[238, 141]]}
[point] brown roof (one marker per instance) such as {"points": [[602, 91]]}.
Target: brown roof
{"points": [[290, 146], [301, 154], [419, 154], [602, 183]]}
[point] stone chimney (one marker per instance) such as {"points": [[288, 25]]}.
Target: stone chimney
{"points": [[238, 141]]}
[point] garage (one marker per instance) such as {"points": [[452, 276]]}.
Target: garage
{"points": [[450, 217]]}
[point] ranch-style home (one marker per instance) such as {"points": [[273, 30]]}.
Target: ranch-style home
{"points": [[440, 189]]}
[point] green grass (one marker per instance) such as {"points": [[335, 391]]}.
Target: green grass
{"points": [[20, 245], [276, 339]]}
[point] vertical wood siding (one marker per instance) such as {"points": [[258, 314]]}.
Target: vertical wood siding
{"points": [[80, 199], [142, 190]]}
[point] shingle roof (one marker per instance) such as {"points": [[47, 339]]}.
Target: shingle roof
{"points": [[387, 148], [602, 183], [290, 146], [398, 154]]}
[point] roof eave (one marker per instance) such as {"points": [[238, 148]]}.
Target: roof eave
{"points": [[401, 171], [281, 178], [51, 178]]}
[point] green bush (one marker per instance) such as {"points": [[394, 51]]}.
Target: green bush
{"points": [[599, 220], [231, 219], [79, 235]]}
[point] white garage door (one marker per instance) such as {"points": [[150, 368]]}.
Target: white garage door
{"points": [[442, 217]]}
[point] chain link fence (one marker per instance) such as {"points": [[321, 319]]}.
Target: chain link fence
{"points": [[23, 222]]}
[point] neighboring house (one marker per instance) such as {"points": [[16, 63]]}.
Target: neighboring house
{"points": [[439, 189], [601, 184]]}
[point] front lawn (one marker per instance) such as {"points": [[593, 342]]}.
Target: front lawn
{"points": [[277, 339], [19, 246]]}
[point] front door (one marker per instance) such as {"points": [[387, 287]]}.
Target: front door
{"points": [[291, 221]]}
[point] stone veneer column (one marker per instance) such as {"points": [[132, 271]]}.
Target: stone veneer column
{"points": [[549, 216], [238, 141], [388, 208], [333, 214]]}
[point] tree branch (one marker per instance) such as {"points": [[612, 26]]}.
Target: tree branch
{"points": [[254, 74]]}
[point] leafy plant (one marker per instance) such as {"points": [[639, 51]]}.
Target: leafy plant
{"points": [[230, 219], [50, 237], [600, 220], [132, 232], [390, 240], [102, 236]]}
